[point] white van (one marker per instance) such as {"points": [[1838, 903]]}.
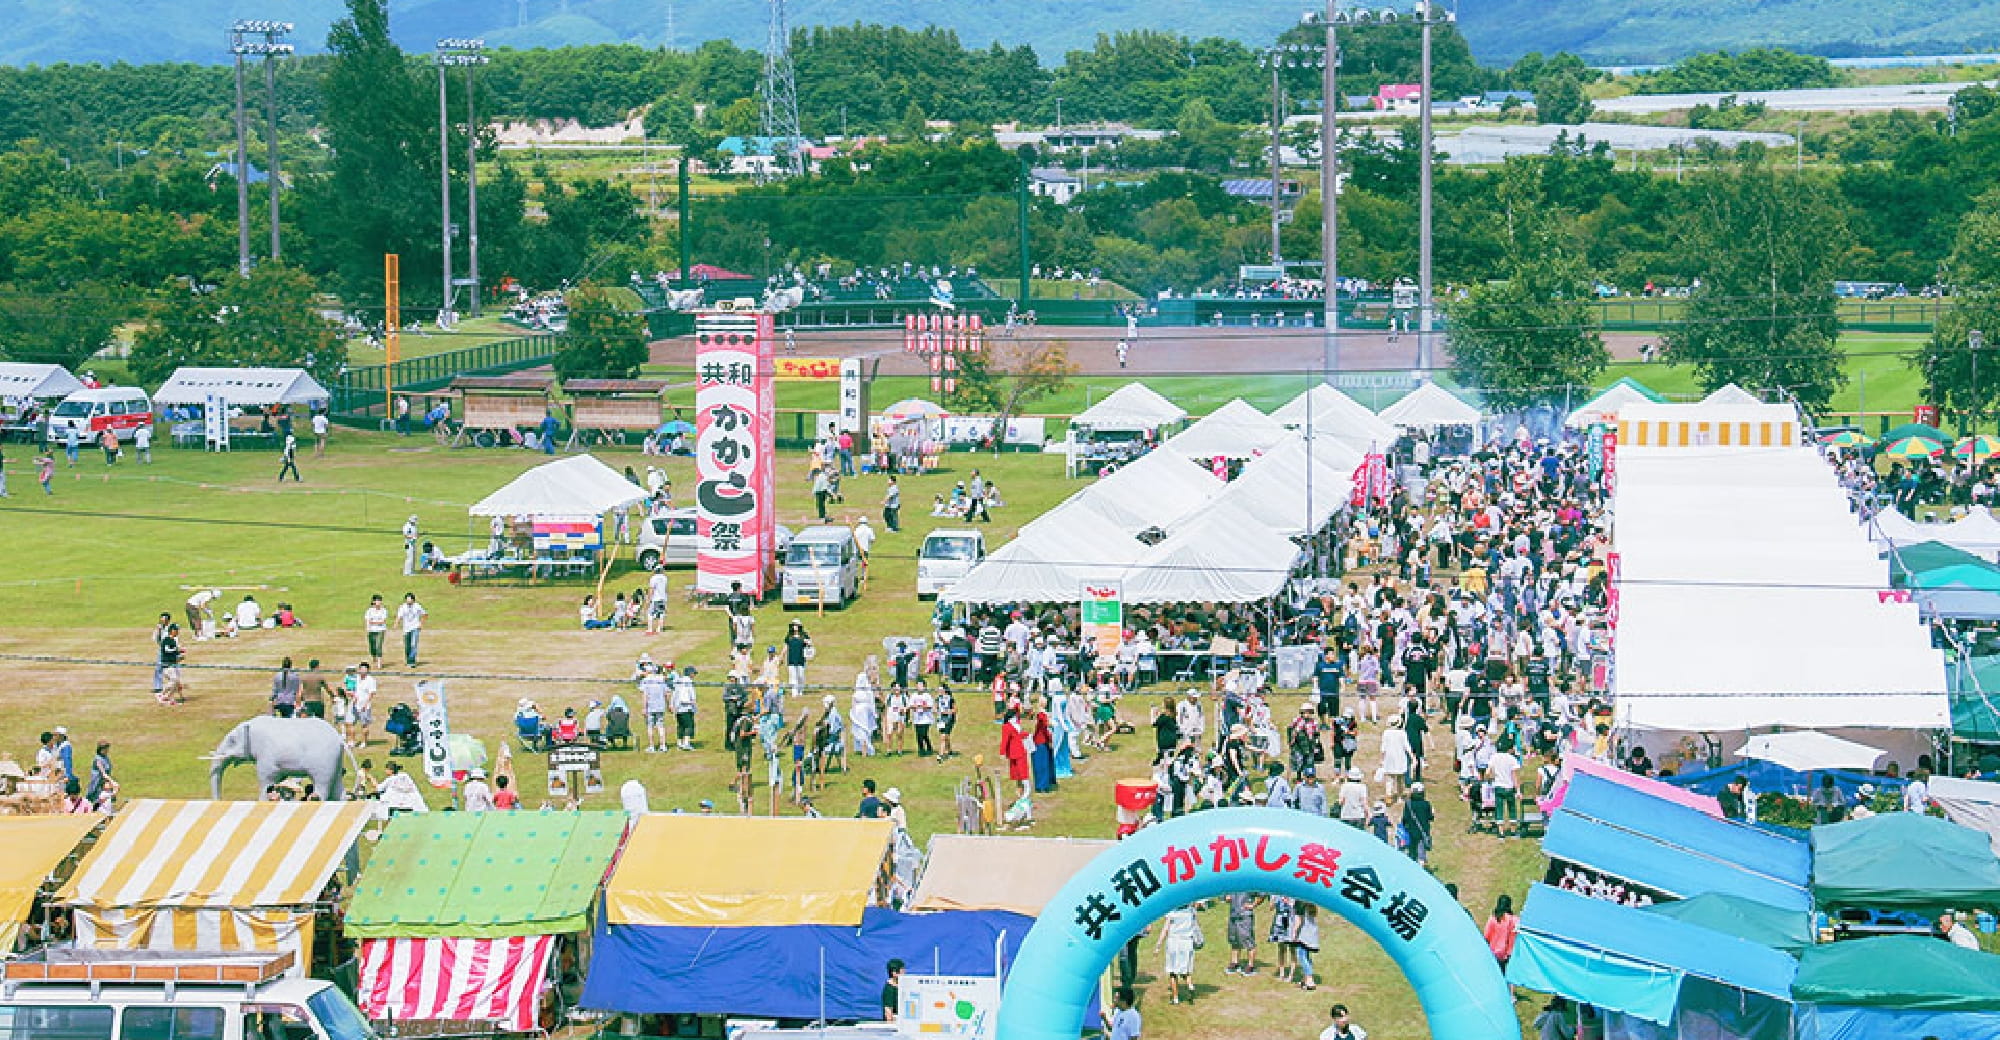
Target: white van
{"points": [[61, 993], [121, 409], [947, 556], [668, 539], [822, 565]]}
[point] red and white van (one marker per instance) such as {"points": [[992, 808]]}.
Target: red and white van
{"points": [[119, 408]]}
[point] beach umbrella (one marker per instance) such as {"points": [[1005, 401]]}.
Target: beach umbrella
{"points": [[1913, 448], [668, 429], [1977, 449], [1847, 439]]}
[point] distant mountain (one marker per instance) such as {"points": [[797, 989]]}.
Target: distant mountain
{"points": [[47, 31]]}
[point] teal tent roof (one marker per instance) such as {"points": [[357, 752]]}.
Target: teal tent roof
{"points": [[1787, 930], [1915, 430], [1640, 388], [1903, 861], [1908, 972], [1924, 557], [1980, 577]]}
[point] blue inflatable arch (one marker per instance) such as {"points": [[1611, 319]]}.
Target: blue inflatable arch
{"points": [[1214, 853]]}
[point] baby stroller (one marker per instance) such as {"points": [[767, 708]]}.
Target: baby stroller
{"points": [[402, 724]]}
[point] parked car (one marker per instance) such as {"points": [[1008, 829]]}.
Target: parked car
{"points": [[121, 409], [821, 565], [948, 555]]}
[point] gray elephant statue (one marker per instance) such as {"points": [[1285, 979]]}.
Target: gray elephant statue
{"points": [[280, 748]]}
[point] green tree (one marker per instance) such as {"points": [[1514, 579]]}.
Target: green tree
{"points": [[271, 318], [63, 328], [603, 342], [1206, 143], [1010, 375], [1560, 98], [1954, 379], [1530, 337], [1766, 249]]}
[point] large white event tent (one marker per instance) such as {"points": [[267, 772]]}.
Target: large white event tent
{"points": [[1152, 490], [1221, 555], [1132, 407], [1428, 407], [1236, 430], [244, 387], [1019, 572], [576, 488], [1748, 598], [1977, 532], [1292, 492], [1329, 413], [1729, 418], [21, 380]]}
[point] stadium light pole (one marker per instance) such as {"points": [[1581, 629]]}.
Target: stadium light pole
{"points": [[469, 54], [450, 52], [270, 47], [1277, 58], [1329, 190], [1428, 16]]}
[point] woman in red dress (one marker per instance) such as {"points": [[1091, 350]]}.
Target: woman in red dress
{"points": [[1014, 748]]}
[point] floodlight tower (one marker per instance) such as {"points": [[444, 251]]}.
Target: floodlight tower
{"points": [[779, 96]]}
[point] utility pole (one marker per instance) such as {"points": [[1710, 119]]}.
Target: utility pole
{"points": [[686, 221], [1329, 191], [1428, 15], [444, 194], [1277, 162], [1021, 209]]}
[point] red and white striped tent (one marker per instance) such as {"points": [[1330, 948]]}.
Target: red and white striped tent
{"points": [[459, 914]]}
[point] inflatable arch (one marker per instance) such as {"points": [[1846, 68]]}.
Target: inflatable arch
{"points": [[1213, 853]]}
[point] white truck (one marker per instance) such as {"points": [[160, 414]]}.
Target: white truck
{"points": [[73, 994]]}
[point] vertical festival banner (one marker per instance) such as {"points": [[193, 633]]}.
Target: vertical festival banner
{"points": [[434, 732], [735, 440], [851, 417], [1103, 616], [1610, 450]]}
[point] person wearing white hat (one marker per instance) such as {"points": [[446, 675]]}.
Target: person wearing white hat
{"points": [[893, 799], [1353, 800], [478, 796], [1187, 717], [410, 545]]}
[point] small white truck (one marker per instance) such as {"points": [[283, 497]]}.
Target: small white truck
{"points": [[76, 994]]}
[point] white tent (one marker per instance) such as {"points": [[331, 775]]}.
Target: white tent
{"points": [[1731, 394], [1018, 573], [1809, 751], [1748, 599], [1290, 492], [578, 487], [1223, 555], [1132, 407], [1084, 538], [1977, 532], [20, 380], [1969, 803], [1428, 407], [1606, 406], [1153, 490], [1337, 416], [1236, 431], [247, 387]]}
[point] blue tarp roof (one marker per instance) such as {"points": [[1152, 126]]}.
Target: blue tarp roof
{"points": [[1658, 940], [776, 972], [1756, 851], [1659, 865]]}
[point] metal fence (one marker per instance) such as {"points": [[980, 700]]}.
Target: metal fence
{"points": [[362, 392]]}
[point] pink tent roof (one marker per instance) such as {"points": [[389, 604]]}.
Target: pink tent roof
{"points": [[1574, 763]]}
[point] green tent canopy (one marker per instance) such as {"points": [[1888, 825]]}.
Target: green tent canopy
{"points": [[1761, 923], [1982, 577], [1914, 430], [485, 875], [1906, 972], [1924, 557], [1903, 861]]}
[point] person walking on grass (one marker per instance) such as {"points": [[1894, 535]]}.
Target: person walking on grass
{"points": [[376, 621], [142, 442], [1242, 934], [892, 505], [171, 691], [1180, 936], [288, 460], [45, 471], [410, 618], [319, 428]]}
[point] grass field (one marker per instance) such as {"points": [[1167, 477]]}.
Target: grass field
{"points": [[113, 547], [471, 332]]}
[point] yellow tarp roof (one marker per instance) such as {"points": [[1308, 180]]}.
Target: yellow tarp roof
{"points": [[1019, 874], [235, 855], [31, 848], [739, 871]]}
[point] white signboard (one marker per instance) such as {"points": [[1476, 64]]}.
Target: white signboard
{"points": [[434, 732], [947, 1005], [971, 429], [851, 418], [215, 422]]}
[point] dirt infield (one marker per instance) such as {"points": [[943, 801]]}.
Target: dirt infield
{"points": [[1156, 350]]}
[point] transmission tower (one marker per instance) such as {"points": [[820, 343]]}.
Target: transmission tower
{"points": [[779, 96]]}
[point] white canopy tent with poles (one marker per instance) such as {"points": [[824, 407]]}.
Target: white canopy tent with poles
{"points": [[1428, 407], [22, 381], [1291, 492], [1234, 431], [1333, 415], [1221, 555], [1132, 407], [242, 387], [574, 488]]}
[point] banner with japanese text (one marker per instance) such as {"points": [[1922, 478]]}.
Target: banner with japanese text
{"points": [[735, 445], [807, 368], [1103, 616], [1610, 453], [434, 732], [853, 410]]}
